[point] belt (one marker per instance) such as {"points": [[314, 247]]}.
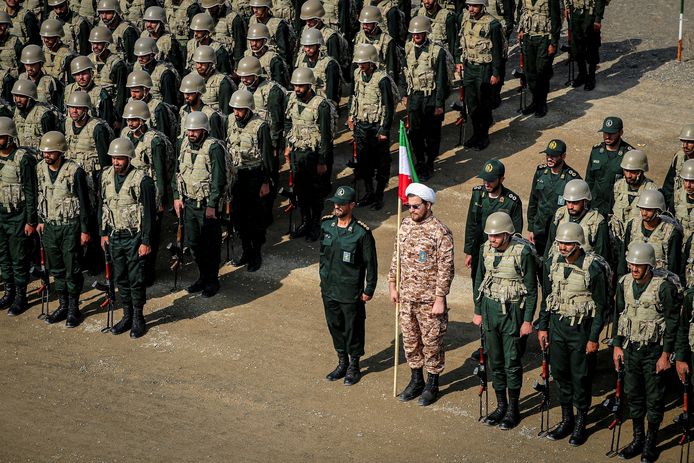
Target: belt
{"points": [[125, 233]]}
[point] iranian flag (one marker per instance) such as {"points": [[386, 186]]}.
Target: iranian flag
{"points": [[406, 170]]}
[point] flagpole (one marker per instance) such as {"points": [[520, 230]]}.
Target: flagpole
{"points": [[680, 33], [397, 304]]}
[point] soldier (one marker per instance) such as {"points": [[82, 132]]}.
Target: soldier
{"points": [[192, 87], [111, 71], [200, 187], [58, 56], [325, 68], [124, 32], [492, 196], [10, 53], [18, 217], [348, 277], [274, 66], [25, 26], [250, 147], [334, 15], [684, 201], [538, 33], [673, 184], [334, 43], [505, 293], [371, 110], [134, 11], [76, 27], [394, 19], [168, 47], [165, 78], [163, 115], [178, 17], [32, 118], [481, 63], [202, 26], [279, 30], [83, 69], [571, 318], [648, 301], [372, 34], [229, 28], [48, 89], [427, 89], [126, 214], [546, 194], [309, 129], [218, 87], [426, 274], [585, 22], [444, 25], [64, 211], [684, 345], [604, 164]]}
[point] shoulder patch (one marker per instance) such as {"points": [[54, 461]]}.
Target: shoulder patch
{"points": [[512, 196], [327, 217], [363, 225], [597, 145], [478, 188], [572, 172]]}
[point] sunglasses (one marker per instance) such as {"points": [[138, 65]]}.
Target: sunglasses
{"points": [[415, 206]]}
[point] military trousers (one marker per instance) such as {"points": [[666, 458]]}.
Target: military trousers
{"points": [[14, 248], [63, 252], [644, 388], [309, 187], [204, 238], [585, 41], [572, 368], [538, 66], [479, 96], [248, 212], [154, 242], [346, 322], [373, 157], [422, 336], [128, 267], [505, 347], [424, 128]]}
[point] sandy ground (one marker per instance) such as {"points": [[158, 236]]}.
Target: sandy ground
{"points": [[240, 377]]}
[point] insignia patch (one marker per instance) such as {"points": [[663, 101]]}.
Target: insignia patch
{"points": [[422, 257], [340, 191], [488, 168], [553, 144], [346, 256], [608, 123]]}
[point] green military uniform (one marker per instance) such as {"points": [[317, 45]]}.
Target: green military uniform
{"points": [[223, 63], [102, 103], [666, 240], [48, 89], [125, 34], [178, 18], [585, 40], [218, 90], [624, 199], [444, 27], [111, 74], [279, 36], [602, 172], [165, 80], [684, 345], [57, 62], [328, 76], [170, 50], [673, 186], [274, 66], [387, 50], [10, 65], [215, 117], [77, 30], [229, 30], [395, 19], [595, 229], [163, 118], [35, 120], [25, 26]]}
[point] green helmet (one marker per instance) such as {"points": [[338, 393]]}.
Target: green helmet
{"points": [[260, 3], [570, 232], [365, 53], [370, 14], [258, 31], [79, 99], [312, 36], [136, 109], [52, 28], [419, 24], [197, 120], [687, 172], [108, 5], [155, 13], [121, 146], [31, 54], [53, 3], [640, 254], [687, 133], [202, 22], [635, 160], [80, 63], [242, 99], [204, 54], [139, 79], [478, 2], [192, 83], [312, 9], [101, 34], [207, 4], [303, 76], [25, 87], [145, 46], [249, 66], [499, 222], [651, 199], [7, 127], [576, 190], [5, 18], [53, 141]]}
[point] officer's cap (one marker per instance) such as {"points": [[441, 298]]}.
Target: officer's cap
{"points": [[344, 195], [555, 148], [492, 170], [612, 124]]}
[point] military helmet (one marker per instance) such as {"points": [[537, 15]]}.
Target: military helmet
{"points": [[52, 28], [192, 83], [53, 3], [202, 22], [31, 54], [197, 120], [53, 141], [136, 109], [640, 254], [25, 87], [204, 54], [139, 79], [206, 4], [687, 133], [419, 24], [570, 232], [5, 18], [108, 5], [249, 66], [651, 199], [101, 34], [635, 160], [7, 127], [260, 3], [155, 13], [312, 36], [303, 76], [121, 146], [576, 190], [499, 222], [687, 172], [80, 63], [365, 53], [258, 31], [145, 46], [242, 99], [478, 2], [370, 14], [79, 99], [312, 9]]}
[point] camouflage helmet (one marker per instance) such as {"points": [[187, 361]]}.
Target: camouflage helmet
{"points": [[53, 141], [79, 99], [635, 160], [101, 34], [192, 83], [260, 3], [139, 79], [207, 4], [121, 146], [5, 18], [687, 133], [687, 172], [641, 254], [25, 87], [80, 63], [52, 28], [136, 109], [197, 120], [7, 127], [312, 36], [365, 53], [242, 99], [576, 190], [499, 222], [145, 46], [249, 66], [31, 54], [303, 76], [108, 5], [312, 9], [370, 14], [258, 31], [478, 2], [155, 13], [202, 22], [419, 24], [651, 199], [570, 232], [204, 54]]}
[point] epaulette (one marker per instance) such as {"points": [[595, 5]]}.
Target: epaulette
{"points": [[478, 187], [541, 166], [597, 146], [363, 225], [512, 196], [327, 217], [572, 172]]}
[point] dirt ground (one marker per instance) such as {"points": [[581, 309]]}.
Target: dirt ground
{"points": [[240, 377]]}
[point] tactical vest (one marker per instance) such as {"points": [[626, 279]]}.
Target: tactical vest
{"points": [[625, 204], [19, 27], [642, 321], [272, 24], [122, 210], [159, 69], [320, 72], [284, 9], [71, 28], [46, 87], [133, 11], [438, 25], [420, 74], [261, 98], [590, 222], [94, 95], [385, 7], [659, 239], [58, 203], [580, 5], [535, 19], [265, 60], [684, 212], [55, 62], [476, 39], [223, 32], [332, 13], [29, 130], [190, 52], [81, 147], [571, 296], [689, 268], [84, 9], [11, 188], [102, 73], [212, 87], [367, 103], [183, 114], [177, 20], [305, 130], [194, 177], [678, 162], [153, 105], [118, 45], [244, 143], [504, 282], [381, 43], [8, 57], [164, 46], [143, 158]]}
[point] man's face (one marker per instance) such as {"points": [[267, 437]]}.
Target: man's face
{"points": [[191, 99], [135, 124], [249, 81], [120, 164], [639, 271], [196, 135], [497, 240], [51, 157], [301, 90], [61, 9], [365, 67], [12, 3], [492, 186], [648, 215], [311, 50], [576, 208], [256, 44], [3, 29], [4, 142], [33, 70], [475, 10], [419, 37], [152, 27], [566, 249], [632, 177], [368, 28], [260, 12], [107, 17], [240, 113], [21, 101], [612, 139], [76, 112], [418, 208], [688, 148], [200, 35], [83, 78], [689, 186], [50, 42], [429, 4], [144, 60], [99, 47], [203, 68], [555, 161], [343, 210], [138, 93]]}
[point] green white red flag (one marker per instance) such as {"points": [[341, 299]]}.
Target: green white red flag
{"points": [[406, 170]]}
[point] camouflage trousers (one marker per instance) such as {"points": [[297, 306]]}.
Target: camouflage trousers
{"points": [[422, 336]]}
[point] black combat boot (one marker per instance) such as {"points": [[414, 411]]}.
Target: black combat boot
{"points": [[472, 141], [590, 80], [541, 110], [20, 304], [581, 77], [196, 287], [497, 415], [579, 435], [314, 229], [635, 447], [368, 197], [353, 374], [512, 417], [211, 287], [303, 228], [139, 327], [243, 259], [530, 109], [340, 369], [74, 317], [415, 386], [60, 313], [126, 322], [8, 298], [650, 453], [255, 261], [566, 425], [431, 390]]}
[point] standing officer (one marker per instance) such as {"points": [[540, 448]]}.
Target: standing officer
{"points": [[64, 212], [684, 201], [571, 319], [394, 19], [82, 70], [10, 53], [229, 27], [426, 274], [278, 28], [193, 87], [48, 89], [648, 302], [585, 22], [57, 54], [505, 293], [201, 184], [126, 214], [111, 71], [202, 26], [491, 196], [178, 17], [325, 68], [18, 217], [371, 110], [546, 194], [604, 164], [124, 32], [163, 115], [372, 34], [426, 75], [76, 26], [168, 46], [259, 46], [673, 184], [165, 78], [32, 118], [25, 25], [481, 63], [218, 86], [347, 262], [444, 24]]}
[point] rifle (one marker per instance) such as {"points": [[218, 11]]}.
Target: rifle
{"points": [[109, 289], [543, 388], [520, 75], [614, 405], [288, 193], [42, 273], [352, 163], [228, 235], [177, 250], [683, 420], [461, 107], [567, 49], [481, 372]]}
